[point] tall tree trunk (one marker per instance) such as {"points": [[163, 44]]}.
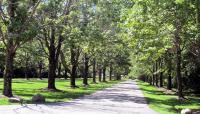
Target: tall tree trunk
{"points": [[74, 66], [65, 75], [67, 70], [40, 70], [150, 80], [52, 61], [52, 70], [94, 71], [156, 75], [86, 68], [26, 69], [73, 75], [118, 76], [54, 52], [100, 72], [26, 66], [111, 72], [26, 73], [104, 73], [161, 79], [10, 52], [169, 81], [178, 72], [8, 73], [161, 73], [178, 58], [169, 72], [153, 77]]}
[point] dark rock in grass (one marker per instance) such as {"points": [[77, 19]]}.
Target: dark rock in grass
{"points": [[15, 100], [186, 111], [38, 98]]}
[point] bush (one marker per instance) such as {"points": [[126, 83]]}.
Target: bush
{"points": [[192, 81], [142, 77]]}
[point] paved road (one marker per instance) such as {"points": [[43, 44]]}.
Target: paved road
{"points": [[123, 98]]}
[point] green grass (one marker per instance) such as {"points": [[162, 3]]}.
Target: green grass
{"points": [[167, 104], [27, 88]]}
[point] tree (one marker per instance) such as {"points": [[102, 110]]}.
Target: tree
{"points": [[17, 27], [52, 32]]}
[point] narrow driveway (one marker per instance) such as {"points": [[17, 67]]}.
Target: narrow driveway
{"points": [[123, 98]]}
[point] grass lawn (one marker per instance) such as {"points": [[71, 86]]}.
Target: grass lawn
{"points": [[167, 104], [27, 88]]}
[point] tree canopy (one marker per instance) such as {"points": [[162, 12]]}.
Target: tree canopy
{"points": [[80, 38]]}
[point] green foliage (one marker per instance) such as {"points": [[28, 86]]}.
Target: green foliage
{"points": [[150, 28]]}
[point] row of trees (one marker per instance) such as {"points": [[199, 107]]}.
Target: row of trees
{"points": [[62, 35], [165, 38], [77, 38]]}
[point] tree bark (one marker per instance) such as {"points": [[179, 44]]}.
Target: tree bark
{"points": [[118, 76], [74, 63], [52, 61], [67, 70], [73, 75], [10, 52], [178, 72], [54, 52], [161, 79], [161, 73], [8, 73], [178, 58], [150, 80], [86, 68], [100, 73], [104, 73], [169, 81], [65, 75], [40, 70], [26, 69], [156, 75], [169, 71], [94, 71], [111, 72], [153, 77], [52, 70]]}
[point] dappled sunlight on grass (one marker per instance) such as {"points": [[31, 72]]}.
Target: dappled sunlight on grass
{"points": [[27, 88], [167, 104]]}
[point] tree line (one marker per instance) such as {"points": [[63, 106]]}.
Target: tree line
{"points": [[64, 38], [166, 42]]}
